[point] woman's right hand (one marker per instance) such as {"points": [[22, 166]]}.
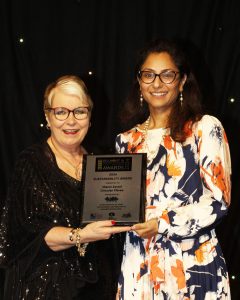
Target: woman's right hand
{"points": [[101, 230], [57, 238]]}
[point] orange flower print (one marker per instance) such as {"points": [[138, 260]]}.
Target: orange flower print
{"points": [[167, 142], [135, 144], [200, 140], [179, 274], [218, 178], [148, 181], [151, 207], [165, 217], [199, 133], [156, 274], [202, 252], [173, 170]]}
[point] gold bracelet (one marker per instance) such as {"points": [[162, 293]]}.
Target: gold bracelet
{"points": [[71, 234], [81, 247]]}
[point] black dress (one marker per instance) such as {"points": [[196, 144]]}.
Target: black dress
{"points": [[40, 197]]}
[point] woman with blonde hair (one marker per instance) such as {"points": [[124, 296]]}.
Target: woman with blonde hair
{"points": [[46, 252]]}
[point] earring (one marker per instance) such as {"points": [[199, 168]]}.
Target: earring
{"points": [[47, 126], [181, 99], [141, 100]]}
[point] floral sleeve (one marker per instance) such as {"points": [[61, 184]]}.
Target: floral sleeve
{"points": [[214, 170]]}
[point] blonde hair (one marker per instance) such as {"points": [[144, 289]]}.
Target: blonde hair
{"points": [[69, 85]]}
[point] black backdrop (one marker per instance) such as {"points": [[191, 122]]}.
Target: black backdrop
{"points": [[41, 40]]}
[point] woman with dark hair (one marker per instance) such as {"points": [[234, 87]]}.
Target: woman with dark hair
{"points": [[175, 254]]}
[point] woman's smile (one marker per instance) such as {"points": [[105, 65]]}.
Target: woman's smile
{"points": [[71, 131]]}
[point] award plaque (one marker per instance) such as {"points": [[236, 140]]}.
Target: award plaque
{"points": [[114, 188]]}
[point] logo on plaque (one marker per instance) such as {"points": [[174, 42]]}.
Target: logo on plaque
{"points": [[113, 164], [111, 199]]}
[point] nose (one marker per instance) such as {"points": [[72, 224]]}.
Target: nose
{"points": [[157, 82], [71, 119]]}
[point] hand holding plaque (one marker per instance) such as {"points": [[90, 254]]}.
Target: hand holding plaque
{"points": [[114, 188]]}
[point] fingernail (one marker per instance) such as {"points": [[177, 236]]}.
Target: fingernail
{"points": [[113, 222]]}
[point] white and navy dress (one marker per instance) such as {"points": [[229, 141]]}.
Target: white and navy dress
{"points": [[188, 191]]}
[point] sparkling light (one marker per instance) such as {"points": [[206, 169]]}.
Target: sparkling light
{"points": [[90, 72], [232, 100], [233, 277], [41, 125], [21, 40]]}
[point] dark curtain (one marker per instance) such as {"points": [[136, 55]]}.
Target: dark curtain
{"points": [[42, 40]]}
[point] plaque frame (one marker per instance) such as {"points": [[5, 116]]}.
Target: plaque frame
{"points": [[99, 199]]}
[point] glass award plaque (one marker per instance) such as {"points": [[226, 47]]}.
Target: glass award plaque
{"points": [[114, 188]]}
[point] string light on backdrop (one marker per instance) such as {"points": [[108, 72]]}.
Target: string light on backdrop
{"points": [[232, 100]]}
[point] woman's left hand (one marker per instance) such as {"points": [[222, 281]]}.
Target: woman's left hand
{"points": [[147, 229]]}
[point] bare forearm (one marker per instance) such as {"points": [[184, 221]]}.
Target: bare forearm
{"points": [[57, 238], [61, 238]]}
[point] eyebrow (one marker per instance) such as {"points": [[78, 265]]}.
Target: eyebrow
{"points": [[164, 70]]}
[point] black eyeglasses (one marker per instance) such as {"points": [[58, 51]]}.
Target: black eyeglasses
{"points": [[62, 113], [166, 76]]}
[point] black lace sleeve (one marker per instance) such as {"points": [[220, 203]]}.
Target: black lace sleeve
{"points": [[26, 215]]}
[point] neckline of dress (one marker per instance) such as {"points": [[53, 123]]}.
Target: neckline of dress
{"points": [[60, 171], [153, 129]]}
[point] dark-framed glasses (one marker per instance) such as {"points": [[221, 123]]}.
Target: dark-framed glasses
{"points": [[166, 76], [62, 113]]}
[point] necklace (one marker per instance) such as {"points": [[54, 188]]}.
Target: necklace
{"points": [[145, 129], [151, 153], [76, 167]]}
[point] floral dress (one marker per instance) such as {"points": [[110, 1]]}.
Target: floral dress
{"points": [[188, 191]]}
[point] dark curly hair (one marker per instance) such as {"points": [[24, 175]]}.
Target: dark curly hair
{"points": [[133, 113]]}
